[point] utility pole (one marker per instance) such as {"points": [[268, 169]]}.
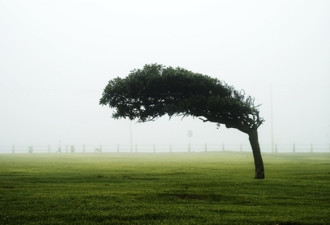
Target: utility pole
{"points": [[271, 117], [130, 135]]}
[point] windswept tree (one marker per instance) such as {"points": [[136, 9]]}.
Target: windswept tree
{"points": [[149, 93]]}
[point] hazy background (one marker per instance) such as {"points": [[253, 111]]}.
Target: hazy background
{"points": [[56, 57]]}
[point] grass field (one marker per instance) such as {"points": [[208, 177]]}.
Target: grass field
{"points": [[189, 188]]}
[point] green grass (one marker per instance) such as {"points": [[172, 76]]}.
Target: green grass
{"points": [[196, 188]]}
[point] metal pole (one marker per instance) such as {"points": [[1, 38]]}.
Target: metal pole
{"points": [[272, 118], [130, 135]]}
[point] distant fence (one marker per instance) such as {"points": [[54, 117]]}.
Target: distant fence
{"points": [[163, 148]]}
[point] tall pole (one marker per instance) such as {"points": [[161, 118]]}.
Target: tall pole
{"points": [[271, 117], [130, 135]]}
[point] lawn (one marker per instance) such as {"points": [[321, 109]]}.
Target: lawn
{"points": [[177, 188]]}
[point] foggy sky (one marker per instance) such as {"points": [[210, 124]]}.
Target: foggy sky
{"points": [[56, 57]]}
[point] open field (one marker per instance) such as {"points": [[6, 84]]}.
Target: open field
{"points": [[187, 188]]}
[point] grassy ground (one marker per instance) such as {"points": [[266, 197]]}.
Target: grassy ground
{"points": [[196, 188]]}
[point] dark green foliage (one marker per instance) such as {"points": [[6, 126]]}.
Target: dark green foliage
{"points": [[156, 90]]}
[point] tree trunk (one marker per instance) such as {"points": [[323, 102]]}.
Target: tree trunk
{"points": [[259, 165]]}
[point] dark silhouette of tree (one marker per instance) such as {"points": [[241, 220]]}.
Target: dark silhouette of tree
{"points": [[148, 93]]}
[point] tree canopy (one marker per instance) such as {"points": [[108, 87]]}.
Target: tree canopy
{"points": [[148, 93]]}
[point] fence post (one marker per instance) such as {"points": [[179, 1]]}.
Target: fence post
{"points": [[13, 149], [223, 147], [275, 148], [72, 148], [294, 148]]}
